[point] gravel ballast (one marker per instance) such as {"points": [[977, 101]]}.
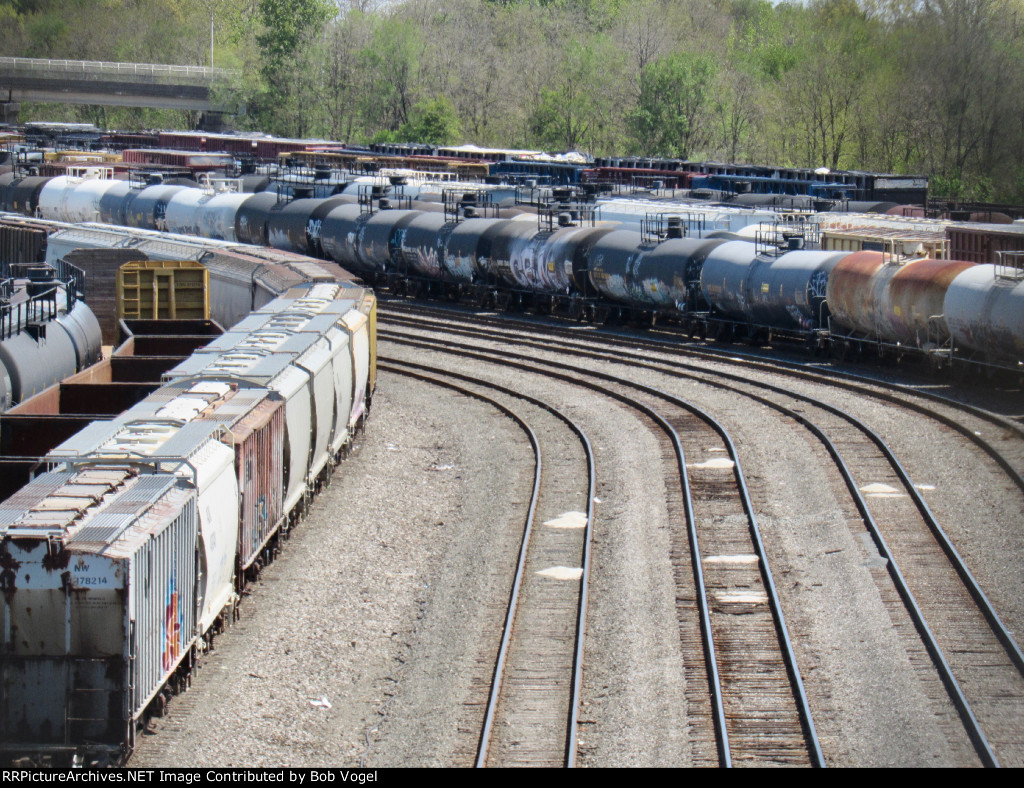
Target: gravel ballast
{"points": [[381, 604]]}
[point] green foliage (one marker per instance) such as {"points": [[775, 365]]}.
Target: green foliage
{"points": [[286, 24], [385, 135], [46, 31], [674, 92], [969, 189], [770, 48], [434, 122], [390, 66], [575, 107], [931, 87]]}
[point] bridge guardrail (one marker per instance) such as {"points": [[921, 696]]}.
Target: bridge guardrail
{"points": [[14, 67]]}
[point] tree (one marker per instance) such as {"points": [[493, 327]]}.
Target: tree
{"points": [[669, 119], [644, 36], [285, 24], [341, 82], [970, 93], [286, 32], [390, 63], [434, 122], [824, 89], [577, 110]]}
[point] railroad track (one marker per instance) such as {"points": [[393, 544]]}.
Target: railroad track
{"points": [[990, 665], [981, 426], [761, 712], [755, 710], [531, 702]]}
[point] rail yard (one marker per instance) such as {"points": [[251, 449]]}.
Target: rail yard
{"points": [[864, 586], [623, 499]]}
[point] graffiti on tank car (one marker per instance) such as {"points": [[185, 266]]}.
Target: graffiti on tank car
{"points": [[633, 263], [818, 284], [798, 318], [427, 261]]}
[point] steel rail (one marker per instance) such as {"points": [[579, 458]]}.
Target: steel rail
{"points": [[521, 560], [805, 370], [571, 732], [953, 688], [1005, 637], [710, 659], [785, 643], [860, 383], [1000, 630]]}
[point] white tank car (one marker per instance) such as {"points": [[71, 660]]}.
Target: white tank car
{"points": [[76, 198], [985, 312]]}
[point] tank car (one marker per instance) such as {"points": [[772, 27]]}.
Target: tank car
{"points": [[365, 241], [297, 226], [114, 202], [421, 242], [735, 285], [629, 269], [782, 291], [787, 291], [892, 300], [517, 258], [20, 194], [984, 311], [46, 334], [76, 198], [147, 209], [208, 212], [252, 217], [464, 260]]}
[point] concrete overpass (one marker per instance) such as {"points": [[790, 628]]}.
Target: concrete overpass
{"points": [[109, 84]]}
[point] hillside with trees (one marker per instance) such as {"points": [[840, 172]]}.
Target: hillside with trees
{"points": [[922, 86]]}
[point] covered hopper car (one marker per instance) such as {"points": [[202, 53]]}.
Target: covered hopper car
{"points": [[120, 562]]}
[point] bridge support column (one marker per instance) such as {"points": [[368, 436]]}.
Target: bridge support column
{"points": [[212, 121], [9, 111]]}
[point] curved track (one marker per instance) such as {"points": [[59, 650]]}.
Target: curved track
{"points": [[990, 668], [532, 704], [759, 710], [884, 632]]}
